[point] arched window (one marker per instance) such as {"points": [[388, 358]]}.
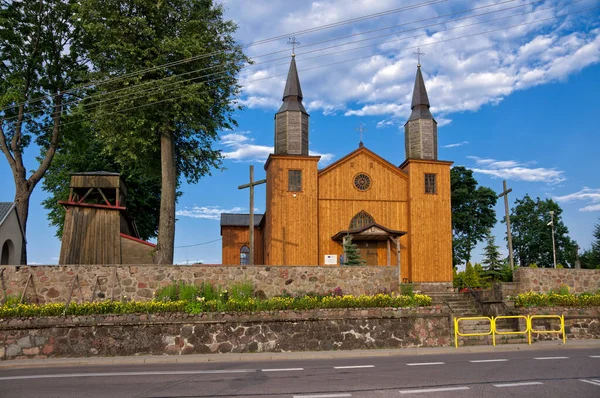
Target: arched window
{"points": [[7, 254], [245, 255], [360, 220]]}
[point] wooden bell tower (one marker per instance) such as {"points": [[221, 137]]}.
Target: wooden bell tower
{"points": [[96, 221]]}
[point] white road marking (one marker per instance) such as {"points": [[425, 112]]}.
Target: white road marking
{"points": [[594, 382], [323, 396], [552, 358], [354, 367], [425, 363], [163, 373], [527, 383], [282, 370], [426, 390], [488, 360], [594, 356]]}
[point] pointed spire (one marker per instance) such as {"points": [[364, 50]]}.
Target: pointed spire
{"points": [[292, 94], [420, 101]]}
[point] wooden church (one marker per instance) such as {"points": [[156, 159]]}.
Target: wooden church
{"points": [[396, 215]]}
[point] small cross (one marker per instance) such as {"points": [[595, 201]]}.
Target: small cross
{"points": [[293, 42], [418, 53], [361, 129]]}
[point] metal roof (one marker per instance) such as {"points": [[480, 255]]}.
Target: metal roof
{"points": [[95, 173], [420, 101], [5, 208], [239, 220], [292, 94]]}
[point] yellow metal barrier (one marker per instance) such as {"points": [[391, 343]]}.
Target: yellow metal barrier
{"points": [[561, 318], [473, 318], [496, 332]]}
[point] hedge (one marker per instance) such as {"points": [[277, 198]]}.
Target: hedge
{"points": [[532, 299], [201, 305]]}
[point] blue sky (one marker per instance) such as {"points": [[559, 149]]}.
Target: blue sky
{"points": [[515, 93]]}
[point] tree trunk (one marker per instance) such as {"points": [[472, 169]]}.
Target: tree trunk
{"points": [[166, 223], [22, 196]]}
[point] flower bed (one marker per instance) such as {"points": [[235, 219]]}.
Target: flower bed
{"points": [[551, 299], [200, 305]]}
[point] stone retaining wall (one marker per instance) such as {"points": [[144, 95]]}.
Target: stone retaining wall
{"points": [[180, 334], [542, 280], [139, 282], [580, 322]]}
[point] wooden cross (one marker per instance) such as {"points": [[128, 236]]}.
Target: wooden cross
{"points": [[510, 250], [361, 129], [251, 186], [293, 42], [418, 53]]}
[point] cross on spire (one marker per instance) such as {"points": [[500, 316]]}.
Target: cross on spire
{"points": [[361, 129], [418, 53], [293, 42]]}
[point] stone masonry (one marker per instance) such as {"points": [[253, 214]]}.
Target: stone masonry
{"points": [[542, 280], [139, 282], [180, 334]]}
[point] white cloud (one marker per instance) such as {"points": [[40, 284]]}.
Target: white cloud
{"points": [[586, 194], [514, 170], [240, 148], [207, 212], [456, 145], [490, 61]]}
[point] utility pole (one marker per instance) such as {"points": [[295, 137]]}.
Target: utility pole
{"points": [[509, 235], [251, 186], [553, 244]]}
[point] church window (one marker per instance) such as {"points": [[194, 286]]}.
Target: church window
{"points": [[362, 219], [362, 182], [245, 255], [430, 184], [294, 180]]}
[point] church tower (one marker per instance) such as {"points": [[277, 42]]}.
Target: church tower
{"points": [[430, 215], [290, 226], [420, 131], [291, 121]]}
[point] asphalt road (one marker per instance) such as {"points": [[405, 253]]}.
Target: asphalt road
{"points": [[563, 372]]}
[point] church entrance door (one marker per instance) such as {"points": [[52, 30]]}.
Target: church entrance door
{"points": [[368, 252]]}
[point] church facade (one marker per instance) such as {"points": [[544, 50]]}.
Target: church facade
{"points": [[397, 215]]}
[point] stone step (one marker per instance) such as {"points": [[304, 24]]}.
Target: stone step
{"points": [[487, 340]]}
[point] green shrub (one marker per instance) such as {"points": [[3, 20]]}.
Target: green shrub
{"points": [[406, 289], [167, 293], [209, 292], [241, 291], [188, 292], [531, 299], [201, 305]]}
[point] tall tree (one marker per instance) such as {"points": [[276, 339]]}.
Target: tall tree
{"points": [[181, 101], [532, 234], [81, 151], [473, 213], [591, 258], [491, 255], [40, 59]]}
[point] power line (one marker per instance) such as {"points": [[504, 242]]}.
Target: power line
{"points": [[352, 59], [263, 41], [156, 89], [198, 244]]}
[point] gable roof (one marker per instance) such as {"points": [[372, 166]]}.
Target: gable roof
{"points": [[368, 152], [5, 209], [239, 220]]}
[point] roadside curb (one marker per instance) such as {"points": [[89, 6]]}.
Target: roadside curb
{"points": [[274, 356]]}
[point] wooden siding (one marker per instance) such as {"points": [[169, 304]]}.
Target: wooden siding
{"points": [[385, 201], [233, 238], [134, 252], [91, 236], [430, 227], [290, 235]]}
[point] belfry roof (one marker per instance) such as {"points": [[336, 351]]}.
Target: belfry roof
{"points": [[292, 94], [420, 101]]}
